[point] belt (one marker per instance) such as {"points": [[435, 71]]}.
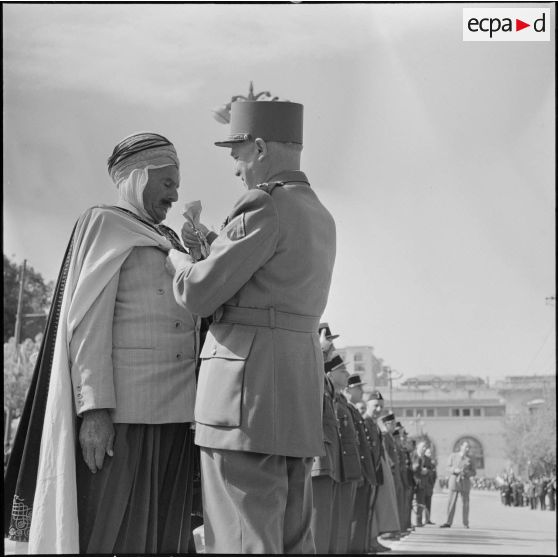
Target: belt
{"points": [[266, 317]]}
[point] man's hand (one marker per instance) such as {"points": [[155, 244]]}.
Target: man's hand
{"points": [[190, 239], [96, 437], [175, 260]]}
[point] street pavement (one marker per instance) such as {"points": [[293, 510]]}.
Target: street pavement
{"points": [[495, 529]]}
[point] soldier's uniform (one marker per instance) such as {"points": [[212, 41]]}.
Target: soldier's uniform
{"points": [[260, 391], [326, 473], [351, 475], [361, 509], [393, 461], [377, 452], [403, 495]]}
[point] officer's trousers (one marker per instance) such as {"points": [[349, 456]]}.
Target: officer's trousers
{"points": [[323, 494], [255, 503], [452, 503], [401, 493], [342, 515], [361, 519]]}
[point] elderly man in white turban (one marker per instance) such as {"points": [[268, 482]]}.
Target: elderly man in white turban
{"points": [[114, 385]]}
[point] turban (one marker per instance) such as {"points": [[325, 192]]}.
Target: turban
{"points": [[130, 162], [137, 151]]}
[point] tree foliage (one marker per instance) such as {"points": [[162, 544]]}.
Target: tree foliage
{"points": [[531, 438], [37, 296]]}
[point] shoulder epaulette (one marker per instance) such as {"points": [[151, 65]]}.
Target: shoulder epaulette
{"points": [[269, 186]]}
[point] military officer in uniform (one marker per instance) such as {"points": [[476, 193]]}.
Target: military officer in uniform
{"points": [[359, 523], [374, 407], [350, 461], [326, 469], [430, 464], [401, 473], [393, 461], [406, 473], [266, 281]]}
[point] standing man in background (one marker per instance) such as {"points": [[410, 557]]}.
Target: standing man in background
{"points": [[460, 468], [266, 282]]}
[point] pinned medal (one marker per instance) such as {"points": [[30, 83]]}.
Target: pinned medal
{"points": [[192, 212]]}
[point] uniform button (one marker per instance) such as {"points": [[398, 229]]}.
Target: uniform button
{"points": [[160, 291], [79, 396], [214, 351], [344, 453], [177, 324], [178, 355]]}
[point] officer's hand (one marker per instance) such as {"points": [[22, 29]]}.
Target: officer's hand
{"points": [[324, 341], [96, 437], [189, 237], [175, 260]]}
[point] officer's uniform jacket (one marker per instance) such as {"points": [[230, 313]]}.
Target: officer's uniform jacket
{"points": [[460, 482], [350, 455], [376, 447], [391, 452], [363, 438], [330, 463], [266, 282], [134, 352]]}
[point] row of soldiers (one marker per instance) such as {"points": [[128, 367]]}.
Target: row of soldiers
{"points": [[364, 485]]}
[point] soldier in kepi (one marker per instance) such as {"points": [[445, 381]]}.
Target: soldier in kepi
{"points": [[266, 281]]}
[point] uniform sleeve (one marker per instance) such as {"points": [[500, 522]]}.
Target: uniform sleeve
{"points": [[243, 246], [91, 354]]}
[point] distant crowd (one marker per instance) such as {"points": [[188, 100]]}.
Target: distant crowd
{"points": [[479, 483], [537, 493]]}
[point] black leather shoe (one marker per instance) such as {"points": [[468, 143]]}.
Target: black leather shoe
{"points": [[466, 526], [430, 523], [444, 525]]}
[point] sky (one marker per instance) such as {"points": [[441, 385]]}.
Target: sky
{"points": [[434, 155]]}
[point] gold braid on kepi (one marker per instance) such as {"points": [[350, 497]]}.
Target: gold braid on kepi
{"points": [[137, 150]]}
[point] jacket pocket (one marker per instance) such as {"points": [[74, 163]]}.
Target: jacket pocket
{"points": [[221, 379]]}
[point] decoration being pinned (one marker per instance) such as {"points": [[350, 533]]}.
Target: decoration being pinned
{"points": [[192, 212], [223, 113]]}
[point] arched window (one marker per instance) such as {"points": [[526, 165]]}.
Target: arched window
{"points": [[476, 451]]}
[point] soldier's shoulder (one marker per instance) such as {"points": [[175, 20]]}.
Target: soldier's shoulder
{"points": [[269, 187]]}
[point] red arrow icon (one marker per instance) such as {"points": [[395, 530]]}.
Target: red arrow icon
{"points": [[519, 25]]}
